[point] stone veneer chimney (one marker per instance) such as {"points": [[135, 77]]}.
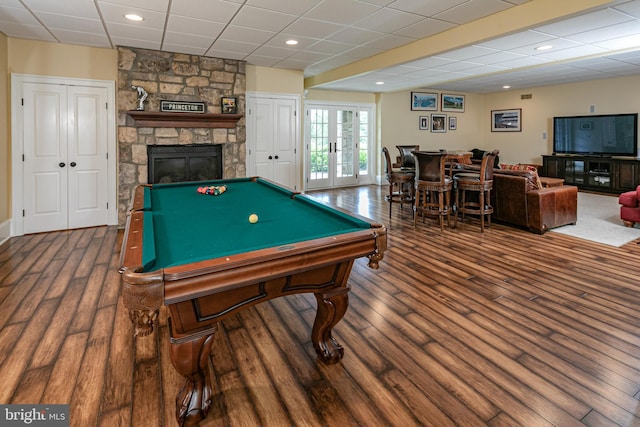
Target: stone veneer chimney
{"points": [[175, 77]]}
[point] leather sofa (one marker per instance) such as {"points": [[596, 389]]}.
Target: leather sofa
{"points": [[518, 201], [630, 207]]}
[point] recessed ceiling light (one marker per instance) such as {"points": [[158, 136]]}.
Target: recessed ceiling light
{"points": [[379, 83], [133, 17], [506, 87], [292, 42], [545, 47]]}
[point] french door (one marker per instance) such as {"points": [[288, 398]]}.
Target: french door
{"points": [[337, 143]]}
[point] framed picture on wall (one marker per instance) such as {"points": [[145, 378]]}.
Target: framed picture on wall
{"points": [[423, 122], [424, 101], [438, 123], [506, 120], [452, 103], [453, 123]]}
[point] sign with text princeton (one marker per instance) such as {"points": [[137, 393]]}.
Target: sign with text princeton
{"points": [[34, 415], [182, 107]]}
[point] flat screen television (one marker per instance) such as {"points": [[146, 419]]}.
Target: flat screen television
{"points": [[604, 135]]}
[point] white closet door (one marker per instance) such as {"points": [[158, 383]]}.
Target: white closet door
{"points": [[45, 157], [87, 156]]}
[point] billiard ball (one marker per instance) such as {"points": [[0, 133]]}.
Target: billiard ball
{"points": [[253, 218]]}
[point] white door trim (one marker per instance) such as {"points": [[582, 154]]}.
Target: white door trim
{"points": [[17, 143]]}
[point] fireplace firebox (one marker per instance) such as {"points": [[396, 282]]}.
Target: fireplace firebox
{"points": [[179, 163]]}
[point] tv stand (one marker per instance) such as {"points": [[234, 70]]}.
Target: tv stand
{"points": [[594, 172]]}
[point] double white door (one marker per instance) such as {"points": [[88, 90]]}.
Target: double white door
{"points": [[272, 138], [65, 179]]}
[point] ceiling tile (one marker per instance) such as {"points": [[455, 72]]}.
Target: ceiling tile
{"points": [[78, 8], [262, 19], [341, 11], [64, 22], [587, 22], [472, 10], [211, 10], [234, 46], [297, 7], [425, 8], [312, 28], [425, 28], [198, 42], [157, 5], [388, 20], [186, 25], [115, 14], [247, 35]]}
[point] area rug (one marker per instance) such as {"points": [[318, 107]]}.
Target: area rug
{"points": [[599, 221]]}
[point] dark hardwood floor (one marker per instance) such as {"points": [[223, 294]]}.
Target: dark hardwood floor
{"points": [[456, 328]]}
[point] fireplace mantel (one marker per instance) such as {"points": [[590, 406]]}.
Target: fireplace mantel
{"points": [[184, 120]]}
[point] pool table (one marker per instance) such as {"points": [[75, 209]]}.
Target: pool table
{"points": [[200, 256]]}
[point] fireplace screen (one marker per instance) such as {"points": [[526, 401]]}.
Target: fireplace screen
{"points": [[179, 163]]}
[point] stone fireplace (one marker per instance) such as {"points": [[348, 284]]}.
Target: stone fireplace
{"points": [[177, 77]]}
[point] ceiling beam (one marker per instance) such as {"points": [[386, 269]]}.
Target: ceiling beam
{"points": [[518, 18]]}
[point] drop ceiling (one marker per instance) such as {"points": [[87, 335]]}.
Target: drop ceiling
{"points": [[601, 40]]}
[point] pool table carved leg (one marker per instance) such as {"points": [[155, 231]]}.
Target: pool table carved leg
{"points": [[191, 360], [332, 306]]}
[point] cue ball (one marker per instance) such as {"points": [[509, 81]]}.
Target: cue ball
{"points": [[253, 218]]}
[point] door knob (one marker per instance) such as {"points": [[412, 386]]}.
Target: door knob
{"points": [[276, 157], [61, 164], [72, 164], [270, 157]]}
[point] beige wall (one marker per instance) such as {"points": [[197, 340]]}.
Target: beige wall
{"points": [[62, 60], [5, 121], [608, 96], [274, 80], [400, 125]]}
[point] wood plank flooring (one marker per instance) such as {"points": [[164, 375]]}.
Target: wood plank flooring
{"points": [[456, 328]]}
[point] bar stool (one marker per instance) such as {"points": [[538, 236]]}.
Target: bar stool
{"points": [[482, 184], [407, 160], [401, 183], [433, 187]]}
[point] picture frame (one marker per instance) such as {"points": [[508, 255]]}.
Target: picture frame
{"points": [[453, 123], [423, 122], [439, 123], [424, 101], [452, 103], [506, 120], [229, 105]]}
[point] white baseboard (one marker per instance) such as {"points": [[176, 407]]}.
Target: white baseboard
{"points": [[5, 231]]}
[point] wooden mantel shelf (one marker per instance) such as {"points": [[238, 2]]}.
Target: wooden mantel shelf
{"points": [[183, 120]]}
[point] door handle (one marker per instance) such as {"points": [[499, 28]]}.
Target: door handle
{"points": [[270, 157], [276, 156], [61, 164], [72, 164]]}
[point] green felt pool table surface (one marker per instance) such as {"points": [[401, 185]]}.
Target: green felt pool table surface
{"points": [[183, 226]]}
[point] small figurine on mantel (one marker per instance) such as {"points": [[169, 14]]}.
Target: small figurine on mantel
{"points": [[142, 96]]}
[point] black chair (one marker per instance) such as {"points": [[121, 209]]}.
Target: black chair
{"points": [[482, 184], [433, 187], [406, 157], [401, 185]]}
